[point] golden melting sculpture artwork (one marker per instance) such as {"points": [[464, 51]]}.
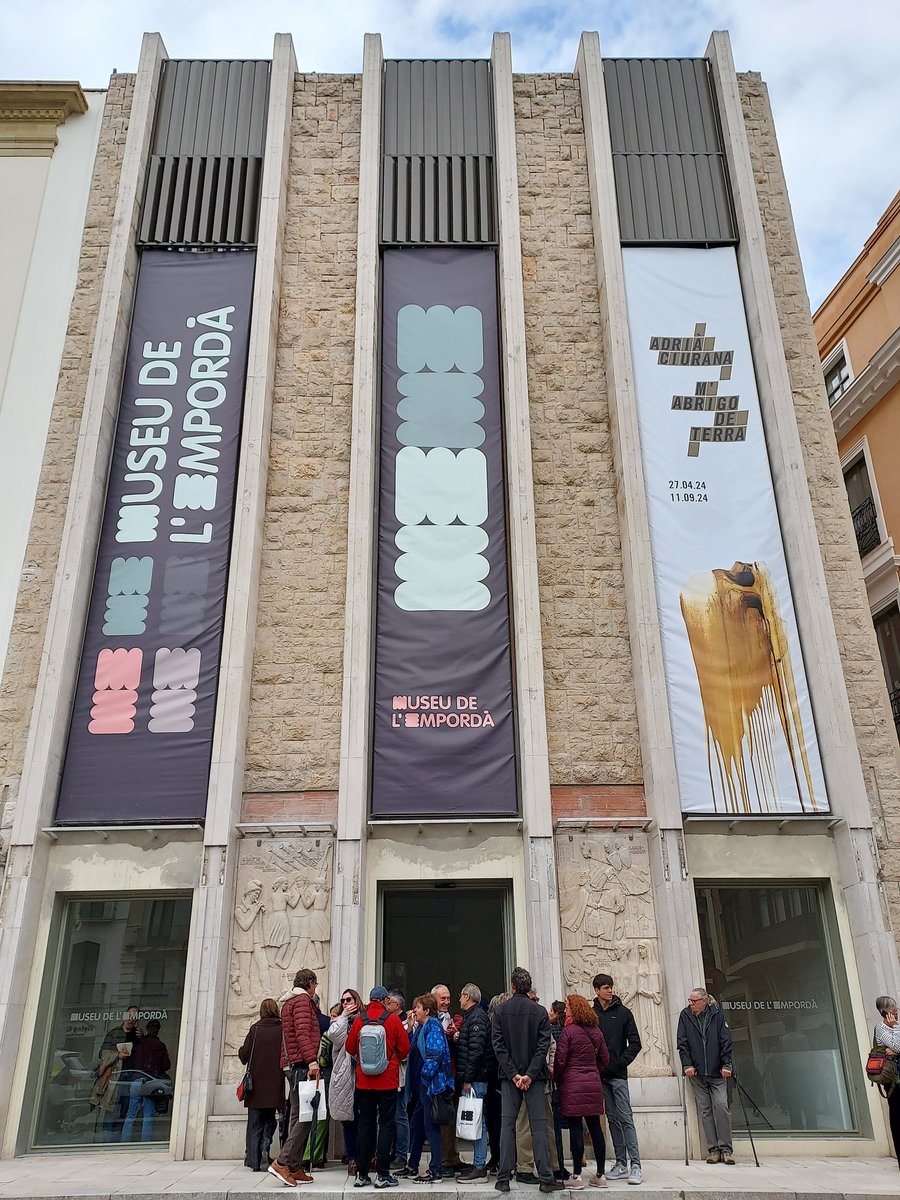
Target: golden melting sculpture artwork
{"points": [[742, 658]]}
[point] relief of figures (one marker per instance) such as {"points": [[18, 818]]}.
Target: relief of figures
{"points": [[608, 924], [282, 922]]}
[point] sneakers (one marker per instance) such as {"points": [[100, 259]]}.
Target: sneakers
{"points": [[713, 1157], [362, 1181], [472, 1174], [597, 1181], [552, 1185], [619, 1171], [502, 1185], [283, 1174], [384, 1181], [727, 1158], [634, 1175], [526, 1177], [399, 1164], [574, 1182], [301, 1176]]}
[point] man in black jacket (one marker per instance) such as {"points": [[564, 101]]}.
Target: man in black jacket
{"points": [[624, 1044], [520, 1034], [706, 1050], [473, 1063]]}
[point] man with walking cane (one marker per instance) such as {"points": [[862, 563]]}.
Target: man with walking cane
{"points": [[706, 1051]]}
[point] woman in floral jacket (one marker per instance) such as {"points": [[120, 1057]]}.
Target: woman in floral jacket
{"points": [[429, 1074]]}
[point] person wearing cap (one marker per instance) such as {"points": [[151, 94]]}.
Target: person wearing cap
{"points": [[377, 1094]]}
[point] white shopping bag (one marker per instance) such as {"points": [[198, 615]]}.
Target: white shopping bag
{"points": [[306, 1090], [469, 1117]]}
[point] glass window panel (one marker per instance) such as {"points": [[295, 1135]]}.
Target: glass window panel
{"points": [[114, 1022], [766, 960]]}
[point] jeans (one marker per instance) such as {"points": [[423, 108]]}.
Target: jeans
{"points": [[711, 1098], [136, 1102], [620, 1119], [421, 1127], [535, 1105], [261, 1124], [479, 1148], [401, 1136]]}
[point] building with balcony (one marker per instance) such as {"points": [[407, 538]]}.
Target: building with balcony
{"points": [[440, 562], [858, 334]]}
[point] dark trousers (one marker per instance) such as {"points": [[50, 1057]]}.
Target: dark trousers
{"points": [[536, 1107], [260, 1131], [492, 1106], [576, 1141], [421, 1127], [894, 1118], [291, 1155], [377, 1111]]}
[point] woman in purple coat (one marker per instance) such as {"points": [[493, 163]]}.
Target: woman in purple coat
{"points": [[581, 1055]]}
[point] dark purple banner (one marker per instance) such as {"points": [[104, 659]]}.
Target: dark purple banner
{"points": [[444, 741], [142, 721]]}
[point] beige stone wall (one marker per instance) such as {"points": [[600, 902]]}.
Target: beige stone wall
{"points": [[591, 710], [856, 638], [293, 740], [41, 557]]}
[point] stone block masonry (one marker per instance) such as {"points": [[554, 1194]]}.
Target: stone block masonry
{"points": [[591, 708], [875, 733], [293, 738], [29, 627]]}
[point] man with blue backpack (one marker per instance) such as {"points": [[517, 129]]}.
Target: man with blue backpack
{"points": [[379, 1043]]}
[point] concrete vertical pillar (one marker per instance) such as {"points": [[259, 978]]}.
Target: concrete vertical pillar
{"points": [[541, 891], [347, 900]]}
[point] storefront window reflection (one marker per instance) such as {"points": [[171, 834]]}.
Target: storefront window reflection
{"points": [[767, 962], [109, 1065]]}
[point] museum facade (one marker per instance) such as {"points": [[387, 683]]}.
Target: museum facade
{"points": [[440, 494]]}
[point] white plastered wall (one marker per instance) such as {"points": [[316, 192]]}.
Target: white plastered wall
{"points": [[799, 859], [127, 863], [42, 208]]}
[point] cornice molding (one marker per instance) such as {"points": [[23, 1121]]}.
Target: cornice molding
{"points": [[885, 265], [869, 386], [31, 113]]}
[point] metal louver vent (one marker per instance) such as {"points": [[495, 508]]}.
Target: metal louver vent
{"points": [[438, 198], [203, 201]]}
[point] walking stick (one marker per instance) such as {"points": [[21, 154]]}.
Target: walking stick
{"points": [[687, 1160], [740, 1092]]}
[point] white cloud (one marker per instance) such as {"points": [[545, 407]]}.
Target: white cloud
{"points": [[830, 66]]}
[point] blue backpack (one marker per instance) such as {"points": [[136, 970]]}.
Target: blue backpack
{"points": [[373, 1055]]}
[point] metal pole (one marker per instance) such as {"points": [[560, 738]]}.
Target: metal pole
{"points": [[687, 1159], [740, 1092]]}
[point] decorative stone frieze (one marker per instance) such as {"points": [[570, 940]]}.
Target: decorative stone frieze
{"points": [[31, 113]]}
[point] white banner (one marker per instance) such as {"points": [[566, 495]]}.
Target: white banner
{"points": [[738, 697]]}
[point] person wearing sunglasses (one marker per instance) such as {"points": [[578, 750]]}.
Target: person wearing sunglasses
{"points": [[341, 1099]]}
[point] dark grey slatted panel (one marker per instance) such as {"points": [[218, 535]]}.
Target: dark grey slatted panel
{"points": [[668, 160], [437, 182], [438, 199], [206, 163], [201, 201]]}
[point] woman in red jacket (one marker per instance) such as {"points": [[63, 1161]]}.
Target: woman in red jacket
{"points": [[581, 1055]]}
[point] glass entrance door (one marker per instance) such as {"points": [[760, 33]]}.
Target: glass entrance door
{"points": [[453, 934], [108, 1065]]}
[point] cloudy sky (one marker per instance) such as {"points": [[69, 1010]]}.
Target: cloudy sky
{"points": [[831, 66]]}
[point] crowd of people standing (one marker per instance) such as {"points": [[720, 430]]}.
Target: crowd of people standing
{"points": [[395, 1076]]}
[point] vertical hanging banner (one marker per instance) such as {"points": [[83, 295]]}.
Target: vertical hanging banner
{"points": [[444, 741], [739, 702], [142, 721]]}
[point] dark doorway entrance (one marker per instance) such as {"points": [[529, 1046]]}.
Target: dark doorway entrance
{"points": [[446, 933]]}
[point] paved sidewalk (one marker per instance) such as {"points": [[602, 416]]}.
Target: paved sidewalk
{"points": [[155, 1174]]}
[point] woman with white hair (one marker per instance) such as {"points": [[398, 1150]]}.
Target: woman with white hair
{"points": [[887, 1034]]}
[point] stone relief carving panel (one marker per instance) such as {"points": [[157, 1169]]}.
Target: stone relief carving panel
{"points": [[282, 922], [608, 924]]}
